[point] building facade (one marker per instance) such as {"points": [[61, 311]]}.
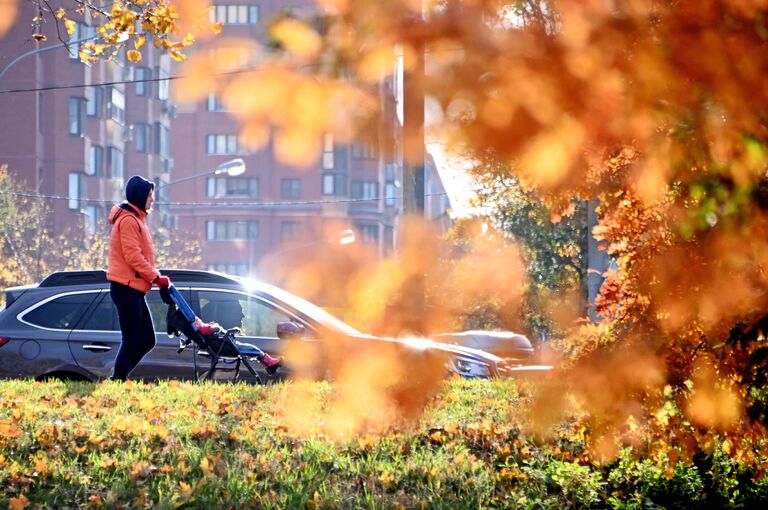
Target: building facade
{"points": [[273, 209], [66, 134], [75, 133]]}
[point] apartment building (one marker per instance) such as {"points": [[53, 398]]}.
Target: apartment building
{"points": [[274, 209], [77, 132], [67, 134]]}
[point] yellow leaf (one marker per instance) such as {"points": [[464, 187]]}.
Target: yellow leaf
{"points": [[178, 56], [60, 13], [216, 27], [71, 26], [139, 41], [133, 56], [188, 40]]}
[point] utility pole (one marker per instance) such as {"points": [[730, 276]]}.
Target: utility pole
{"points": [[413, 131], [412, 300]]}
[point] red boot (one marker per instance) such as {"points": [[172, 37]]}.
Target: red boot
{"points": [[270, 363]]}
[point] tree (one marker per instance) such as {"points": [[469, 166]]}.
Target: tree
{"points": [[658, 109], [30, 252]]}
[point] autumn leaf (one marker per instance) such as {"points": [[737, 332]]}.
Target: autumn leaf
{"points": [[188, 40], [139, 42], [216, 27], [134, 56], [71, 26], [19, 503], [297, 37], [60, 13], [178, 56]]}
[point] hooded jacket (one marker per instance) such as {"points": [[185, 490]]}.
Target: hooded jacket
{"points": [[131, 252]]}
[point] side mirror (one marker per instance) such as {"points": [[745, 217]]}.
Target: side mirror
{"points": [[289, 330]]}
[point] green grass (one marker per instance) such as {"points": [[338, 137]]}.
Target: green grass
{"points": [[186, 445]]}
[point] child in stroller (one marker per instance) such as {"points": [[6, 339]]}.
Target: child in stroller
{"points": [[211, 337]]}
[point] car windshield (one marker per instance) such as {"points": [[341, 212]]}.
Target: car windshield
{"points": [[312, 311]]}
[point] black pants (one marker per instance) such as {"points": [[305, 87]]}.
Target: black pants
{"points": [[136, 326]]}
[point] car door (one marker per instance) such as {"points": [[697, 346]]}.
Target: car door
{"points": [[256, 317], [95, 341]]}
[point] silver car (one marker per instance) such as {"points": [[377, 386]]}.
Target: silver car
{"points": [[66, 326]]}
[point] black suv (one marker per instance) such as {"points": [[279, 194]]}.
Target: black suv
{"points": [[66, 326]]}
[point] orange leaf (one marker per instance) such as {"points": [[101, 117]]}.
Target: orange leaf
{"points": [[134, 56], [19, 503]]}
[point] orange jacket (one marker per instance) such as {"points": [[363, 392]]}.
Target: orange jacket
{"points": [[131, 253]]}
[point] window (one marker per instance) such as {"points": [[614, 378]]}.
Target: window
{"points": [[93, 212], [236, 14], [235, 269], [143, 85], [114, 162], [104, 315], [162, 83], [233, 187], [368, 233], [117, 105], [62, 312], [142, 134], [290, 188], [215, 103], [334, 184], [76, 190], [76, 115], [232, 230], [368, 190], [95, 100], [95, 160], [328, 152], [230, 309], [364, 150], [390, 194], [289, 230], [222, 145], [82, 31], [163, 140]]}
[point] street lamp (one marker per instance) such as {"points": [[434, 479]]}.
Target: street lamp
{"points": [[44, 49], [342, 238], [232, 168]]}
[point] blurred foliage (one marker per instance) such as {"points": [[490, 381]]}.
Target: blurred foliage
{"points": [[656, 109], [29, 251]]}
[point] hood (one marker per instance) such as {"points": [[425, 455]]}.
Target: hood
{"points": [[124, 208], [137, 190]]}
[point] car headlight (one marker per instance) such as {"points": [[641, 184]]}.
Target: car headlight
{"points": [[469, 368]]}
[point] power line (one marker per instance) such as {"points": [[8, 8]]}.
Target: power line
{"points": [[110, 83], [240, 205]]}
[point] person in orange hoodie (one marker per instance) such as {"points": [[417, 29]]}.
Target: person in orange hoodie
{"points": [[131, 272]]}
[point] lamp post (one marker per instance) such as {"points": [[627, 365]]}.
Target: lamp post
{"points": [[342, 238], [41, 50], [232, 168]]}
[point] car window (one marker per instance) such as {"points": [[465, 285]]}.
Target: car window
{"points": [[104, 316], [158, 310], [231, 309], [62, 312]]}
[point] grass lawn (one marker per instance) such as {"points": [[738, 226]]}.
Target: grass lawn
{"points": [[186, 445]]}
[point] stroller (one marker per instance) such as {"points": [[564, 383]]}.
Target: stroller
{"points": [[210, 338]]}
